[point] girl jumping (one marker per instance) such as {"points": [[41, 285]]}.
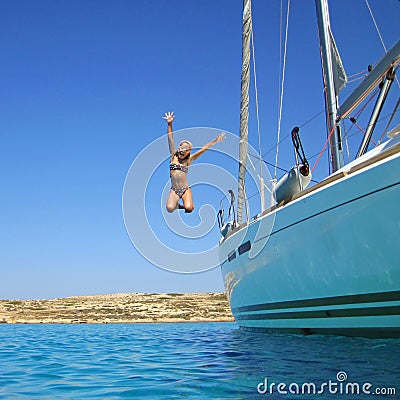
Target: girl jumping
{"points": [[180, 160]]}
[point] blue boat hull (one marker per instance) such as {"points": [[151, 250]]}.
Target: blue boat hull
{"points": [[328, 262]]}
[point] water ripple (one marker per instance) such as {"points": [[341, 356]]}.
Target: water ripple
{"points": [[193, 360]]}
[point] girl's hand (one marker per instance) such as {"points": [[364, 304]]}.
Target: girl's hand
{"points": [[220, 137], [169, 117]]}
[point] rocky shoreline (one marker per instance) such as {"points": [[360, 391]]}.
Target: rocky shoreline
{"points": [[119, 308]]}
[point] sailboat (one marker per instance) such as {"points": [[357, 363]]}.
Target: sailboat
{"points": [[323, 258]]}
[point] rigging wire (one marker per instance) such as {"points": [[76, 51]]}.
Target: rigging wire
{"points": [[347, 136], [376, 25], [282, 87], [379, 33], [390, 121], [289, 135], [324, 149], [355, 77], [325, 145]]}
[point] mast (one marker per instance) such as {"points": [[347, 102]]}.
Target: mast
{"points": [[244, 105], [328, 49]]}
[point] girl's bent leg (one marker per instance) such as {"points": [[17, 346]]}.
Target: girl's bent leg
{"points": [[172, 201], [188, 201]]}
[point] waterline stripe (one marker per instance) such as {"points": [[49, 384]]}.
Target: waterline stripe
{"points": [[370, 332], [337, 313], [323, 301]]}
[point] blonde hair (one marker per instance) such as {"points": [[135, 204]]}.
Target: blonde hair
{"points": [[186, 141]]}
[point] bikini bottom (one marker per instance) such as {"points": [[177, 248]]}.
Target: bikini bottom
{"points": [[180, 191]]}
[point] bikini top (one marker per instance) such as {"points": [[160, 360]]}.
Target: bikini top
{"points": [[178, 167]]}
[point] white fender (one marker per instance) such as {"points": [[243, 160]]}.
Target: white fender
{"points": [[290, 184]]}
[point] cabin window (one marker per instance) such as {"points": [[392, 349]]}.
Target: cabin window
{"points": [[244, 247], [232, 256]]}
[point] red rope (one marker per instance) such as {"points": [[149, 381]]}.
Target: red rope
{"points": [[334, 126], [323, 149], [363, 132]]}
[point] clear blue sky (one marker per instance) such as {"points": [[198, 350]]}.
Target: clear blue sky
{"points": [[83, 87]]}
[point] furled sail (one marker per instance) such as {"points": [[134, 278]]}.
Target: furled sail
{"points": [[244, 105]]}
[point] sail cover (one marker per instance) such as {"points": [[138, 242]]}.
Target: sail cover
{"points": [[339, 74], [389, 61]]}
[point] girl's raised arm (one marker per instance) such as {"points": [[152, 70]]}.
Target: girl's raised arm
{"points": [[169, 117], [219, 138]]}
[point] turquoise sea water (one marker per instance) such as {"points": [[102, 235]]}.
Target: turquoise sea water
{"points": [[189, 360]]}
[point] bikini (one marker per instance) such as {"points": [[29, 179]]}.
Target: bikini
{"points": [[179, 167]]}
